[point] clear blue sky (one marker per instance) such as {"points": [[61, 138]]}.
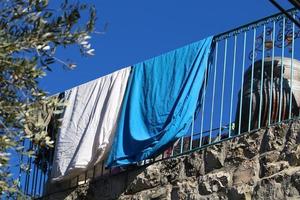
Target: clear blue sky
{"points": [[139, 30]]}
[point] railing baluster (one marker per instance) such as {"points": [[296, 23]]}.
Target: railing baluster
{"points": [[40, 183], [292, 70], [242, 82], [223, 86], [85, 176], [28, 173], [102, 168], [192, 132], [203, 108], [20, 168], [232, 84], [36, 179], [213, 94], [94, 171], [44, 183], [33, 178], [262, 77], [252, 76], [272, 73], [181, 144], [281, 69]]}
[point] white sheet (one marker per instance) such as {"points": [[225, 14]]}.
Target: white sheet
{"points": [[88, 124]]}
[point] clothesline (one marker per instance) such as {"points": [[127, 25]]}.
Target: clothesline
{"points": [[133, 113]]}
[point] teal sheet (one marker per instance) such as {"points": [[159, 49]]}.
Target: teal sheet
{"points": [[161, 98]]}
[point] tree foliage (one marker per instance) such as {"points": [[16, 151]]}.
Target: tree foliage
{"points": [[30, 33]]}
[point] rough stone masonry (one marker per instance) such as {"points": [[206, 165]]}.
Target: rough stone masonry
{"points": [[261, 165]]}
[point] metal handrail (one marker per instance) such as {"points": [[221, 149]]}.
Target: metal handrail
{"points": [[252, 25]]}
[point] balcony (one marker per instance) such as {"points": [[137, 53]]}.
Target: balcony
{"points": [[253, 83]]}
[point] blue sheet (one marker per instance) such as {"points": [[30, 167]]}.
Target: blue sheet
{"points": [[161, 98]]}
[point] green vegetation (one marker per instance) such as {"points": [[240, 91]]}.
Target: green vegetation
{"points": [[30, 33]]}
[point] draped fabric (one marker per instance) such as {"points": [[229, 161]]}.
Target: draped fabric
{"points": [[160, 101], [89, 124]]}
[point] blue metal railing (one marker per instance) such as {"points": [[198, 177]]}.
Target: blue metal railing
{"points": [[246, 89]]}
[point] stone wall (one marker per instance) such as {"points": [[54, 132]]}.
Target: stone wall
{"points": [[260, 165]]}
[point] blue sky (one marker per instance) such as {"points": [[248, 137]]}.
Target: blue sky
{"points": [[138, 30]]}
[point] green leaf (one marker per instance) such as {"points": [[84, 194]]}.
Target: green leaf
{"points": [[25, 109]]}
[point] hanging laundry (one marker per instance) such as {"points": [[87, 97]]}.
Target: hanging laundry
{"points": [[88, 124], [160, 101]]}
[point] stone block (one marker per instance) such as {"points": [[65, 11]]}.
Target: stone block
{"points": [[214, 182], [214, 158]]}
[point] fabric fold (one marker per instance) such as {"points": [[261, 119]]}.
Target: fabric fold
{"points": [[161, 98], [88, 124]]}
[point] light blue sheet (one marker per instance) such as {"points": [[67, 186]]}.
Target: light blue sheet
{"points": [[161, 98]]}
